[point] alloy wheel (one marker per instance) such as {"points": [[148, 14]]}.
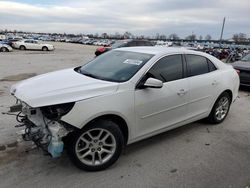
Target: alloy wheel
{"points": [[222, 108], [95, 147]]}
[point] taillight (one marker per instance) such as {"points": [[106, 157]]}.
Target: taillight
{"points": [[238, 71], [101, 49]]}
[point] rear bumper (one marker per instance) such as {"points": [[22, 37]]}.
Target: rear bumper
{"points": [[245, 81], [243, 84]]}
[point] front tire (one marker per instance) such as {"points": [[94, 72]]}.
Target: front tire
{"points": [[220, 109], [97, 146], [45, 48]]}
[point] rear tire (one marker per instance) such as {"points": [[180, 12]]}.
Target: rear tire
{"points": [[220, 109], [4, 49], [97, 146], [22, 47], [97, 53]]}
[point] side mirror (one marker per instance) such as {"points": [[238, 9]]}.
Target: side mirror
{"points": [[153, 83]]}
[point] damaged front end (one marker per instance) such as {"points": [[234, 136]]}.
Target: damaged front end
{"points": [[43, 125]]}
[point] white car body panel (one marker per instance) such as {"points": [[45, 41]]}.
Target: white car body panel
{"points": [[60, 87], [158, 108], [146, 111]]}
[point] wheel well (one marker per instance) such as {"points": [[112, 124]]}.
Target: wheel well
{"points": [[230, 93], [119, 121]]}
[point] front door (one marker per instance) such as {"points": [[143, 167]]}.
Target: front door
{"points": [[159, 108]]}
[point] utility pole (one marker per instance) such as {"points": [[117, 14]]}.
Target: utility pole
{"points": [[222, 29]]}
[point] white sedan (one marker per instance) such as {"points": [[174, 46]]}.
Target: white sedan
{"points": [[32, 45], [120, 97]]}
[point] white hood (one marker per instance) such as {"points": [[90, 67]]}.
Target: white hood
{"points": [[60, 87]]}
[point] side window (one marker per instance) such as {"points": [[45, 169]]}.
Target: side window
{"points": [[131, 43], [139, 43], [197, 65], [167, 69], [147, 43], [211, 66]]}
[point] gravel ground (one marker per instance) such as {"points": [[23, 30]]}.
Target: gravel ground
{"points": [[195, 155]]}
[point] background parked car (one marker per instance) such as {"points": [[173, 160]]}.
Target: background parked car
{"points": [[10, 41], [243, 68], [30, 44], [5, 48], [123, 43]]}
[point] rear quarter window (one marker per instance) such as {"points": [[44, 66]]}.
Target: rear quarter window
{"points": [[198, 65], [211, 66]]}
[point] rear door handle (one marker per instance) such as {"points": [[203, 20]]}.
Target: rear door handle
{"points": [[182, 92]]}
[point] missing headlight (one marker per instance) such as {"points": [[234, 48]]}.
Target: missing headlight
{"points": [[56, 111]]}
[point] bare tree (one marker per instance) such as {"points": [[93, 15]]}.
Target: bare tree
{"points": [[191, 37], [96, 35], [239, 37], [162, 37], [236, 37], [242, 37], [104, 35], [208, 37], [157, 36], [117, 35], [173, 36], [127, 35], [200, 37]]}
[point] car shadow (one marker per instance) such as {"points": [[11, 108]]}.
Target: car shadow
{"points": [[245, 88]]}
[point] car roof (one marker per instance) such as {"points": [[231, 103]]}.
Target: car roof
{"points": [[156, 50], [161, 51]]}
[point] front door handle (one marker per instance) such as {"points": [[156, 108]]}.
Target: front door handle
{"points": [[182, 92]]}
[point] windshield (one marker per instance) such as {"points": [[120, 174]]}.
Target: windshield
{"points": [[116, 66], [246, 58], [119, 44]]}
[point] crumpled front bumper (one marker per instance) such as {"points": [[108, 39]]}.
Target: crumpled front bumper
{"points": [[45, 133]]}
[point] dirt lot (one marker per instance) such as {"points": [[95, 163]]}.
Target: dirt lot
{"points": [[195, 155]]}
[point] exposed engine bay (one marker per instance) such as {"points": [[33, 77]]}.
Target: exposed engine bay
{"points": [[43, 125]]}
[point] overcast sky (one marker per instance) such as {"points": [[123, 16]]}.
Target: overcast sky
{"points": [[146, 17]]}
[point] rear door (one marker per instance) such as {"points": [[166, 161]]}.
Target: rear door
{"points": [[203, 83], [28, 44], [36, 45]]}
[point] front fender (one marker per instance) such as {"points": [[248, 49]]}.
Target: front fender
{"points": [[119, 104]]}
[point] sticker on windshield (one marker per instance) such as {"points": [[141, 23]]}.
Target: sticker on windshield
{"points": [[132, 61]]}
